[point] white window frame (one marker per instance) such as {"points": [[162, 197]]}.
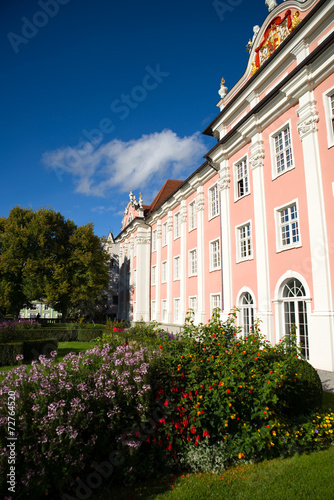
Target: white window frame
{"points": [[154, 275], [272, 138], [177, 310], [177, 268], [192, 267], [213, 209], [164, 271], [193, 310], [177, 225], [239, 257], [164, 234], [214, 267], [192, 215], [236, 165], [154, 240], [329, 114], [164, 310], [153, 310], [246, 309], [278, 210], [212, 305]]}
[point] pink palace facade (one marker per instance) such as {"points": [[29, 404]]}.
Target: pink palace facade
{"points": [[253, 226]]}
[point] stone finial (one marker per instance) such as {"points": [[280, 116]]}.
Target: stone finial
{"points": [[271, 4], [256, 29], [223, 90]]}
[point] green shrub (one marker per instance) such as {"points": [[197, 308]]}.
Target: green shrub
{"points": [[303, 389], [9, 351], [89, 334], [241, 391], [32, 349]]}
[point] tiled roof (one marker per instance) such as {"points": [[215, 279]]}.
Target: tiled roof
{"points": [[167, 189]]}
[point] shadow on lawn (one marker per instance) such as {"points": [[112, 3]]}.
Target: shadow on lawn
{"points": [[140, 490]]}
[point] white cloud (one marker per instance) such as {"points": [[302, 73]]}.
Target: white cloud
{"points": [[97, 169]]}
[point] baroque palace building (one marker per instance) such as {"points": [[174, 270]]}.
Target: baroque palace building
{"points": [[253, 226]]}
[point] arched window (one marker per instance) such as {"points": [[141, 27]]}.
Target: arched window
{"points": [[295, 312], [246, 317]]}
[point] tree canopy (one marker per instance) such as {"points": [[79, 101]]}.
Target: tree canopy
{"points": [[45, 257]]}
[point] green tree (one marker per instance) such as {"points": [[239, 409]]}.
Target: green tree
{"points": [[43, 256], [15, 243]]}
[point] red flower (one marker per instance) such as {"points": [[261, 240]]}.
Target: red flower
{"points": [[205, 433], [255, 359], [162, 421], [193, 430], [213, 335], [210, 387], [166, 402], [169, 447], [228, 391]]}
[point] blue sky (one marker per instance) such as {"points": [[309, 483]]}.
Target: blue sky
{"points": [[98, 96]]}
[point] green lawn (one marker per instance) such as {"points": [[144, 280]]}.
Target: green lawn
{"points": [[63, 349], [309, 476], [66, 347]]}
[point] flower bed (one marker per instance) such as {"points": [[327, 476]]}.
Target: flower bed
{"points": [[71, 414], [225, 399]]}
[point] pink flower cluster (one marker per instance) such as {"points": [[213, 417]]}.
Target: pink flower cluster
{"points": [[66, 412]]}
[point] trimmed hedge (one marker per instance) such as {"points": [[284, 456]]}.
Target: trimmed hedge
{"points": [[89, 334], [32, 349], [304, 392], [9, 351]]}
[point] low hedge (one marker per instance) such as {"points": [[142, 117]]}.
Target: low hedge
{"points": [[303, 389], [89, 334], [32, 349], [9, 351]]}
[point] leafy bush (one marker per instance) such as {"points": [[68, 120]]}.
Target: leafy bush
{"points": [[19, 330], [72, 414], [223, 388], [32, 349], [89, 334], [304, 392], [9, 351]]}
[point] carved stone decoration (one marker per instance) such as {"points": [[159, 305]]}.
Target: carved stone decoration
{"points": [[169, 223], [271, 4], [200, 202], [159, 232], [307, 125], [183, 214], [141, 240], [256, 160], [277, 31], [224, 179]]}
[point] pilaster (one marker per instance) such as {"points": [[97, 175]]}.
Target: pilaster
{"points": [[256, 161], [226, 234], [321, 321], [183, 260], [169, 266], [200, 256], [158, 273]]}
